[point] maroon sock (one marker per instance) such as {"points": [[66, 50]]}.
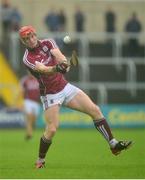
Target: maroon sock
{"points": [[44, 146], [103, 127]]}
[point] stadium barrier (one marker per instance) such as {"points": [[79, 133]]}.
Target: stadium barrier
{"points": [[11, 118], [124, 116], [118, 116]]}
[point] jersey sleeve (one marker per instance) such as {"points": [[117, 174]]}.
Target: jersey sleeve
{"points": [[29, 62]]}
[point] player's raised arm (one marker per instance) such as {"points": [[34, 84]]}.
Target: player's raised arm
{"points": [[63, 65], [60, 57], [41, 68]]}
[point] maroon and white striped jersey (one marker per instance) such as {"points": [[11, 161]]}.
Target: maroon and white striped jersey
{"points": [[30, 87], [48, 84]]}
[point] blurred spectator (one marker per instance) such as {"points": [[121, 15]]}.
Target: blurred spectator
{"points": [[110, 21], [62, 20], [11, 20], [79, 19], [133, 25], [6, 11], [16, 19], [52, 21]]}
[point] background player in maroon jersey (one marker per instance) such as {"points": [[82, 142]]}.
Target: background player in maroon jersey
{"points": [[46, 62], [30, 91]]}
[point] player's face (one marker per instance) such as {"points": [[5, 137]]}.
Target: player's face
{"points": [[30, 40]]}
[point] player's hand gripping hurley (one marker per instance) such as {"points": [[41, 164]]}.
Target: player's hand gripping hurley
{"points": [[64, 66]]}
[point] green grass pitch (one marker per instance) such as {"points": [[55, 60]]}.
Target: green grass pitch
{"points": [[75, 153]]}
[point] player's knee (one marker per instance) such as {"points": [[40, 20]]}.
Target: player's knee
{"points": [[97, 109], [96, 112], [53, 131]]}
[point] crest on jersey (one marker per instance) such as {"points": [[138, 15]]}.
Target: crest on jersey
{"points": [[45, 48]]}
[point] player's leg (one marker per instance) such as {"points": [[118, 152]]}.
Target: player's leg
{"points": [[29, 107], [52, 123], [83, 103], [30, 120]]}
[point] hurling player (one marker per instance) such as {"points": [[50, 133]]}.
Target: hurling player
{"points": [[30, 91], [47, 63]]}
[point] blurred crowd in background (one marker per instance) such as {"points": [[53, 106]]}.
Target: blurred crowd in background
{"points": [[56, 21], [12, 19]]}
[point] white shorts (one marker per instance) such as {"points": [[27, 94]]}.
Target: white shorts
{"points": [[31, 107], [63, 97]]}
